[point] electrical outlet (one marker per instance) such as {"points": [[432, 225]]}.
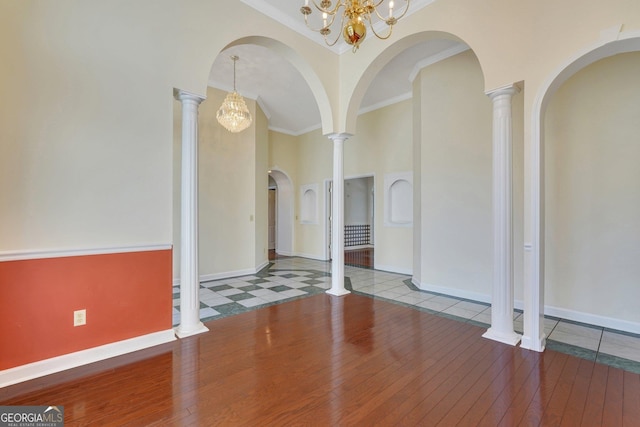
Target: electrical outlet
{"points": [[80, 317]]}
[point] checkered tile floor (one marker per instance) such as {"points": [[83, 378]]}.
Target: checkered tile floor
{"points": [[290, 278], [283, 281]]}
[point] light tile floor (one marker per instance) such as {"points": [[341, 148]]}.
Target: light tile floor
{"points": [[290, 278]]}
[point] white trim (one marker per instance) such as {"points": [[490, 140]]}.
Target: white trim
{"points": [[563, 313], [311, 256], [459, 293], [593, 319], [386, 103], [84, 357], [226, 274], [296, 132], [285, 253], [392, 269], [441, 56], [60, 253]]}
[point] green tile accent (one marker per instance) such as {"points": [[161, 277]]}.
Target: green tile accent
{"points": [[250, 288], [280, 288], [220, 288], [619, 362], [580, 352], [238, 297]]}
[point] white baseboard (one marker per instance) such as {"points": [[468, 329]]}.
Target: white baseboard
{"points": [[311, 256], [563, 313], [84, 357], [593, 319], [285, 253], [459, 293], [226, 274], [392, 269]]}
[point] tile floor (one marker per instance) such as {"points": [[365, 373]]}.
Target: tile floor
{"points": [[289, 278]]}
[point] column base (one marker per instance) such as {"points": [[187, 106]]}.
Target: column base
{"points": [[532, 344], [338, 292], [199, 328], [505, 338]]}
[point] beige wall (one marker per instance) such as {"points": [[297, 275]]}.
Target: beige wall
{"points": [[456, 178], [316, 159], [232, 192], [592, 196], [381, 146]]}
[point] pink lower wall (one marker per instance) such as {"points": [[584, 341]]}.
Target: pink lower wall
{"points": [[126, 295]]}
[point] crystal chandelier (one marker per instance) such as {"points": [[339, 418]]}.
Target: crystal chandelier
{"points": [[355, 15], [233, 113]]}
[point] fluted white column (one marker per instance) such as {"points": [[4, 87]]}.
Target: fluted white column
{"points": [[190, 323], [502, 295], [337, 213]]}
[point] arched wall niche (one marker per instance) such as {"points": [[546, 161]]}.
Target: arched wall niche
{"points": [[305, 69], [621, 42], [386, 56]]}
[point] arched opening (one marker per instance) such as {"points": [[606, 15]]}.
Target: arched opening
{"points": [[284, 213], [534, 337]]}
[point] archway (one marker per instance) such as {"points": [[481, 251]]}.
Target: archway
{"points": [[284, 212], [534, 337]]}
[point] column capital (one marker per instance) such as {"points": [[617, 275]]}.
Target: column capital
{"points": [[509, 90], [339, 136], [183, 95]]}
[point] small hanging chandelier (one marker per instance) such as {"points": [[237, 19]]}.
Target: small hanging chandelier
{"points": [[355, 14], [233, 113]]}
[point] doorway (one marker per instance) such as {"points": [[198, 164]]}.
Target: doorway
{"points": [[359, 216], [280, 226]]}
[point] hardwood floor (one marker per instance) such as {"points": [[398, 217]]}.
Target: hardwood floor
{"points": [[359, 257], [331, 361]]}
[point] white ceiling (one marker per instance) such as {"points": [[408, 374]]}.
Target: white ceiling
{"points": [[283, 94]]}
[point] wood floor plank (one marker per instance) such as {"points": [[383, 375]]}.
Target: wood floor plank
{"points": [[594, 405], [572, 414], [557, 404], [631, 399], [535, 411], [331, 361], [504, 398], [542, 362], [613, 399]]}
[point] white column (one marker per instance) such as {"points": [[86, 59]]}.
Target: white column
{"points": [[190, 323], [534, 337], [502, 295], [337, 214]]}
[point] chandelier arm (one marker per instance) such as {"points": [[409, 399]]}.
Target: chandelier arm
{"points": [[317, 30], [404, 12], [327, 11], [382, 18], [375, 33], [306, 21], [337, 36]]}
